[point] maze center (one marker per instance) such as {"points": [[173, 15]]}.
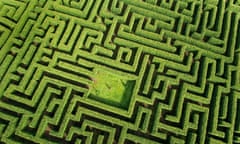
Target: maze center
{"points": [[119, 72], [111, 89]]}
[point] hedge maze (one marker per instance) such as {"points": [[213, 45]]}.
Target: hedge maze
{"points": [[119, 71]]}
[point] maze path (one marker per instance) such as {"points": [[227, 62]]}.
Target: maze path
{"points": [[119, 71]]}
